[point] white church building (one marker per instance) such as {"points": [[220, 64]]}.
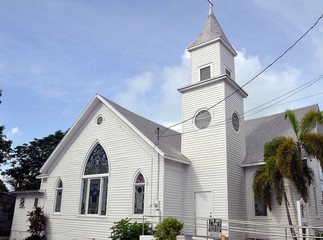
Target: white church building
{"points": [[115, 164]]}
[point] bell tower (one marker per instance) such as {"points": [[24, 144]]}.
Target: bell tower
{"points": [[213, 136]]}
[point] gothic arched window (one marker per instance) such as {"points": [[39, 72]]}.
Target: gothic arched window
{"points": [[95, 183], [139, 194], [59, 193]]}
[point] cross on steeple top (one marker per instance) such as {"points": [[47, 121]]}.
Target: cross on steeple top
{"points": [[211, 5]]}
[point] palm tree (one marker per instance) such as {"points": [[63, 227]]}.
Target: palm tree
{"points": [[283, 158]]}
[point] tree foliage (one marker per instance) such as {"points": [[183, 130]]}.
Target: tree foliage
{"points": [[284, 160], [27, 160], [125, 230], [5, 145], [3, 187], [168, 229]]}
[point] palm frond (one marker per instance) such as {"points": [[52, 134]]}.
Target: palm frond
{"points": [[310, 120], [312, 143], [286, 153], [262, 187], [290, 114], [270, 148]]}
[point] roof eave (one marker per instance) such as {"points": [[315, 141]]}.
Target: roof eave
{"points": [[213, 80], [219, 39], [147, 140], [185, 161]]}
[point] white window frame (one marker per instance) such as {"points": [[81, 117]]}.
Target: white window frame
{"points": [[205, 66], [58, 189], [134, 192], [252, 195], [229, 70], [89, 178]]}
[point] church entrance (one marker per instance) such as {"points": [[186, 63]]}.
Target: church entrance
{"points": [[203, 211]]}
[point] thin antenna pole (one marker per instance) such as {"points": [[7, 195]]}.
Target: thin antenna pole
{"points": [[157, 132], [211, 4]]}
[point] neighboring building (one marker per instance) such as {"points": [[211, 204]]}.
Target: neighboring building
{"points": [[7, 206], [114, 164]]}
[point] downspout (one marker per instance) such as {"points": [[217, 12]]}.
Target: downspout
{"points": [[157, 203], [151, 184]]}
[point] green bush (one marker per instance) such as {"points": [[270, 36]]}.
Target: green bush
{"points": [[37, 225], [168, 229], [35, 237], [125, 230]]}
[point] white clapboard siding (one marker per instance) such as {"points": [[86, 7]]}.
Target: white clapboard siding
{"points": [[236, 152], [315, 199], [206, 149], [174, 189], [227, 61], [20, 224], [202, 57], [124, 163]]}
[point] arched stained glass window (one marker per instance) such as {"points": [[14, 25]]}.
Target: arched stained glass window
{"points": [[139, 194], [59, 193], [98, 162], [95, 183]]}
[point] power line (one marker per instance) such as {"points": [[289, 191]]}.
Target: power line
{"points": [[252, 79], [241, 116]]}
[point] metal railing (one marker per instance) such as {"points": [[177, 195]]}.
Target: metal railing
{"points": [[244, 229]]}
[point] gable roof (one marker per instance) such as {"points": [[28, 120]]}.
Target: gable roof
{"points": [[211, 31], [261, 130], [169, 147]]}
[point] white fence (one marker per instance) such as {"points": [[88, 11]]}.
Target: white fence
{"points": [[244, 229]]}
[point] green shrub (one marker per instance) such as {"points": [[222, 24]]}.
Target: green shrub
{"points": [[35, 237], [37, 225], [125, 230], [168, 229]]}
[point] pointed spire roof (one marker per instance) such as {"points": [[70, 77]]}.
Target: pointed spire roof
{"points": [[211, 31]]}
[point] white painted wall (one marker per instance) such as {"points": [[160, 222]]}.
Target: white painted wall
{"points": [[227, 60], [236, 152], [201, 57], [126, 153], [19, 223], [174, 189], [206, 149]]}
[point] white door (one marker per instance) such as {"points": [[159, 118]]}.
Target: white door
{"points": [[203, 211]]}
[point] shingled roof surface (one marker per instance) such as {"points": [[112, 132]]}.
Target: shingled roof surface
{"points": [[261, 130], [170, 145], [211, 31]]}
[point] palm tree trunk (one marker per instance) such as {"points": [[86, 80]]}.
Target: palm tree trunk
{"points": [[292, 230]]}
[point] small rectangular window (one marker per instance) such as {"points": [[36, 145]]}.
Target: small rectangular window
{"points": [[205, 73], [260, 208], [22, 202], [228, 72], [36, 202]]}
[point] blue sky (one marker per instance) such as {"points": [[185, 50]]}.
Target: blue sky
{"points": [[56, 55]]}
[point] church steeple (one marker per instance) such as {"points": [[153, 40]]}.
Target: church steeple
{"points": [[212, 31], [212, 55]]}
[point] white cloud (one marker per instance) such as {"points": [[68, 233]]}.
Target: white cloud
{"points": [[14, 131], [267, 86], [155, 92]]}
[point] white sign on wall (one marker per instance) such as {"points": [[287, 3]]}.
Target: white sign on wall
{"points": [[302, 212]]}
